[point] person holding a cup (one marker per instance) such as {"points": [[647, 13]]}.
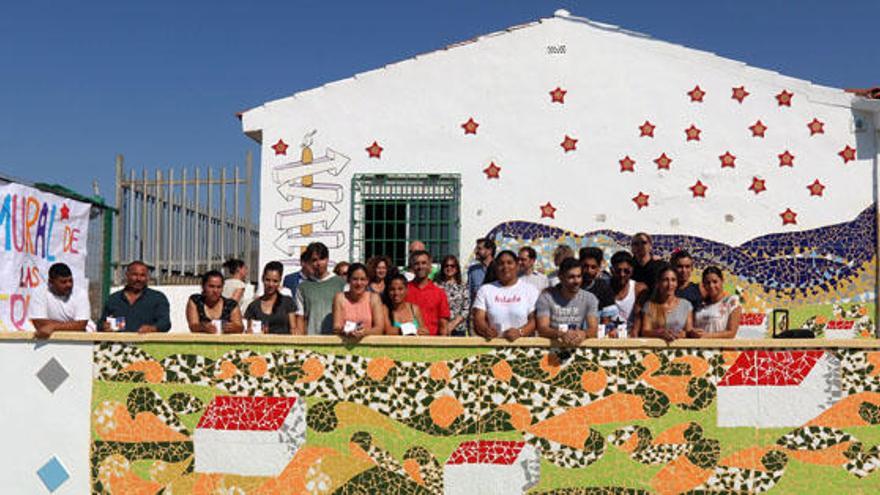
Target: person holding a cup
{"points": [[357, 312], [136, 308], [402, 317], [209, 311], [566, 312], [272, 312]]}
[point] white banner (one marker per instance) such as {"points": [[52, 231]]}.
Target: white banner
{"points": [[37, 229]]}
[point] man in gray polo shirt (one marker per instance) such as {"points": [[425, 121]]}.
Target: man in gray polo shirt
{"points": [[567, 312]]}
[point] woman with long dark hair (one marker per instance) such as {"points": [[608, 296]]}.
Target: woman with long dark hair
{"points": [[272, 312], [356, 312], [665, 315], [209, 311], [401, 317], [505, 307], [720, 314], [448, 278]]}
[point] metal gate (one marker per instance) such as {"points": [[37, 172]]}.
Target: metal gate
{"points": [[185, 222]]}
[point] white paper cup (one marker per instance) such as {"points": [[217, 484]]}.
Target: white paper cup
{"points": [[408, 328], [114, 325], [218, 325], [256, 326], [563, 328], [600, 332], [350, 326]]}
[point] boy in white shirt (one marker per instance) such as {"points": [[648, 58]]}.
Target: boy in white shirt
{"points": [[59, 307]]}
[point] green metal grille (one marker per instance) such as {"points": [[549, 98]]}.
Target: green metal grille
{"points": [[389, 211]]}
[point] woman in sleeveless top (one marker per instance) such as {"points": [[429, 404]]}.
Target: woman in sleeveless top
{"points": [[720, 314], [203, 310], [399, 313], [626, 290], [356, 312], [665, 315]]}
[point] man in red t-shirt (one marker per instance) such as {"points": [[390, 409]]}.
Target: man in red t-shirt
{"points": [[430, 299]]}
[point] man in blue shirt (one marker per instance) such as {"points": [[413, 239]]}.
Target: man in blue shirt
{"points": [[136, 308], [292, 280], [479, 271]]}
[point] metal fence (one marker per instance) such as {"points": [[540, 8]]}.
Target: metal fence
{"points": [[184, 222]]}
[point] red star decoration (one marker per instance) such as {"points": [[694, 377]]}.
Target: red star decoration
{"points": [[627, 164], [848, 154], [727, 160], [280, 147], [786, 159], [784, 98], [816, 127], [375, 150], [739, 94], [692, 133], [788, 217], [758, 129], [816, 188], [558, 95], [492, 171], [65, 212], [647, 129], [758, 185], [697, 94], [548, 211], [569, 144], [698, 190], [663, 162], [641, 200], [470, 127]]}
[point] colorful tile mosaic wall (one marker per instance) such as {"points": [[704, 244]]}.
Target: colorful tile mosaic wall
{"points": [[825, 276], [401, 420]]}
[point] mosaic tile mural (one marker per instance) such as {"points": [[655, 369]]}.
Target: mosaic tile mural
{"points": [[825, 276], [205, 419]]}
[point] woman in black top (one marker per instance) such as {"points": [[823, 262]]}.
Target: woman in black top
{"points": [[273, 310], [203, 310]]}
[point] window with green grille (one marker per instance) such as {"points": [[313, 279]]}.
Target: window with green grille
{"points": [[389, 211]]}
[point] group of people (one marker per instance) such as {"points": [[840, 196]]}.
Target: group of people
{"points": [[502, 296]]}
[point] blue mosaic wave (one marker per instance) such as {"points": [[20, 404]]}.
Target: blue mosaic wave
{"points": [[802, 263]]}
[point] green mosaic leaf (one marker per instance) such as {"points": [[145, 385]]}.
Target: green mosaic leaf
{"points": [[870, 413]]}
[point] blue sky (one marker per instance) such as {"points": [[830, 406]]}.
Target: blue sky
{"points": [[161, 81]]}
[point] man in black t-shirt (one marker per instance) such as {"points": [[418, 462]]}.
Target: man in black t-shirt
{"points": [[591, 264], [683, 264]]}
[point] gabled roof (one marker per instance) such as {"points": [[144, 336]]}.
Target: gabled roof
{"points": [[772, 368], [246, 413]]}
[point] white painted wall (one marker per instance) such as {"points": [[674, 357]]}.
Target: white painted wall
{"points": [[615, 81], [36, 424]]}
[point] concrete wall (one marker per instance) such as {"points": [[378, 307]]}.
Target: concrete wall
{"points": [[442, 417]]}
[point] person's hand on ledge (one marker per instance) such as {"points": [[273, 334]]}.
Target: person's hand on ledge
{"points": [[489, 334], [669, 335], [511, 334], [573, 337], [696, 333], [148, 329]]}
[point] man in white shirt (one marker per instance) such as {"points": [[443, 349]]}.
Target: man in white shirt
{"points": [[59, 307], [526, 260]]}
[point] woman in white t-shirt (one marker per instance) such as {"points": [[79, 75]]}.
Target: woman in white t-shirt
{"points": [[236, 277], [718, 317], [505, 307]]}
